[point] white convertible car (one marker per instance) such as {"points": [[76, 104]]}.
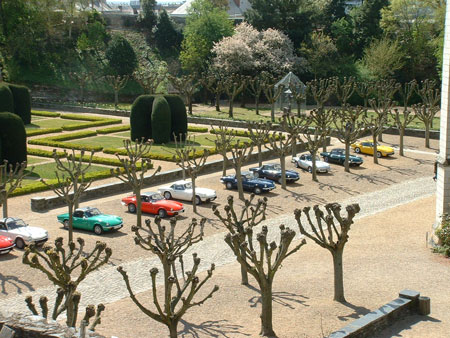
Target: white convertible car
{"points": [[182, 190], [21, 233], [305, 162]]}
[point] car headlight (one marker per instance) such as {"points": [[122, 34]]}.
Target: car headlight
{"points": [[171, 209], [265, 185], [107, 224]]}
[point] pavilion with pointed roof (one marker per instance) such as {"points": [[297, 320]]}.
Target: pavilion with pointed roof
{"points": [[291, 83]]}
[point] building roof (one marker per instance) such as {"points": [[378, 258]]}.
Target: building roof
{"points": [[233, 11]]}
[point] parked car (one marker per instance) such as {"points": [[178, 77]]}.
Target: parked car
{"points": [[154, 203], [305, 162], [92, 219], [6, 245], [272, 171], [21, 233], [249, 182], [183, 190], [337, 155], [366, 147]]}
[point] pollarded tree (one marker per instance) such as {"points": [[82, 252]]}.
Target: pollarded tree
{"points": [[66, 268], [134, 167], [188, 159], [236, 223], [263, 260], [349, 127], [344, 89], [258, 132], [365, 91], [216, 85], [272, 93], [82, 78], [117, 83], [179, 289], [426, 111], [11, 177], [72, 183], [280, 144], [240, 153], [299, 95], [150, 74], [294, 127], [224, 138], [234, 85], [330, 231], [187, 85], [402, 120], [255, 87]]}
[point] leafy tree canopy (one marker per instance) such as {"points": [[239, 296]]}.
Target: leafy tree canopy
{"points": [[120, 55]]}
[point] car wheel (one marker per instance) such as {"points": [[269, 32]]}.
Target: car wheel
{"points": [[257, 190], [229, 185], [357, 150], [66, 224], [309, 169], [297, 165], [198, 200], [162, 213], [98, 230], [131, 208], [379, 154], [167, 195], [20, 244], [325, 159]]}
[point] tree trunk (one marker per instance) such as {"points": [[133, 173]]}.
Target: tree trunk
{"points": [[266, 311], [314, 172], [259, 154], [5, 207], [82, 93], [224, 164], [70, 222], [239, 183], [272, 112], [138, 208], [427, 135], [375, 148], [173, 329], [294, 146], [217, 101], [347, 157], [116, 98], [190, 105], [402, 134], [230, 109], [299, 109], [338, 276], [324, 144], [76, 203], [380, 137], [244, 274], [283, 172], [257, 104], [194, 205]]}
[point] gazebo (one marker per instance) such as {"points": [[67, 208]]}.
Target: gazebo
{"points": [[292, 86]]}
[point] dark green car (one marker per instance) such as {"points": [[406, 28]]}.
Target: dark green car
{"points": [[337, 155], [92, 219]]}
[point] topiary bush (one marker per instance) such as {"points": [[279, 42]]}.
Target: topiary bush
{"points": [[6, 99], [22, 102], [161, 120], [13, 138], [140, 118], [178, 115]]}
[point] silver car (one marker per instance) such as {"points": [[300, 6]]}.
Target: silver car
{"points": [[21, 233], [305, 162]]}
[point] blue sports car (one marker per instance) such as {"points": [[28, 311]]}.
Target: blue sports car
{"points": [[249, 183], [272, 171], [337, 155]]}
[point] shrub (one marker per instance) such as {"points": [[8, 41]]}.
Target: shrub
{"points": [[443, 233], [6, 99], [178, 115], [161, 120], [13, 138], [195, 129], [22, 102], [113, 129], [140, 117], [35, 132], [45, 113], [58, 141], [95, 159], [86, 117], [85, 125]]}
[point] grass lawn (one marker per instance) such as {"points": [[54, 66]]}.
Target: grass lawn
{"points": [[126, 134], [104, 141], [50, 123], [34, 159]]}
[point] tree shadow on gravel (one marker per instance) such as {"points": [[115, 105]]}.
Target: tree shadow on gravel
{"points": [[372, 179], [337, 189], [400, 170], [211, 328], [403, 325], [310, 198], [15, 282], [287, 299], [420, 161], [358, 311]]}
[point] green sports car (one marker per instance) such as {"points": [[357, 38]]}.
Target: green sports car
{"points": [[92, 219]]}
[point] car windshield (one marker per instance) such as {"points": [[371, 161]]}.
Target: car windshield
{"points": [[16, 224], [157, 197], [309, 158], [249, 175], [92, 212], [188, 185], [276, 167]]}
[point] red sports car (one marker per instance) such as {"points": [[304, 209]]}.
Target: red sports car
{"points": [[154, 203], [6, 245]]}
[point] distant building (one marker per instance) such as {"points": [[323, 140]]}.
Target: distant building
{"points": [[236, 9]]}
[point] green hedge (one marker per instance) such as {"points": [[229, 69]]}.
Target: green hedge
{"points": [[113, 129], [86, 118], [73, 136], [45, 113], [35, 132], [179, 125], [22, 102], [140, 118], [58, 141], [243, 133], [159, 157], [6, 99], [86, 125], [13, 138], [161, 121], [195, 129]]}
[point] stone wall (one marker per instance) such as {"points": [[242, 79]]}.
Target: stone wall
{"points": [[40, 204], [409, 302]]}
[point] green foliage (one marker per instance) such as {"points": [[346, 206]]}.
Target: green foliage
{"points": [[169, 157], [35, 132], [121, 56], [85, 125], [161, 120], [22, 102], [6, 99], [167, 36], [443, 233], [140, 118], [59, 141], [321, 54], [113, 129], [179, 123], [13, 138], [83, 117], [147, 19], [45, 113], [195, 129]]}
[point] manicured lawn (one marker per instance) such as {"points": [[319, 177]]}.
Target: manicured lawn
{"points": [[104, 141], [50, 123], [33, 159], [126, 134]]}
